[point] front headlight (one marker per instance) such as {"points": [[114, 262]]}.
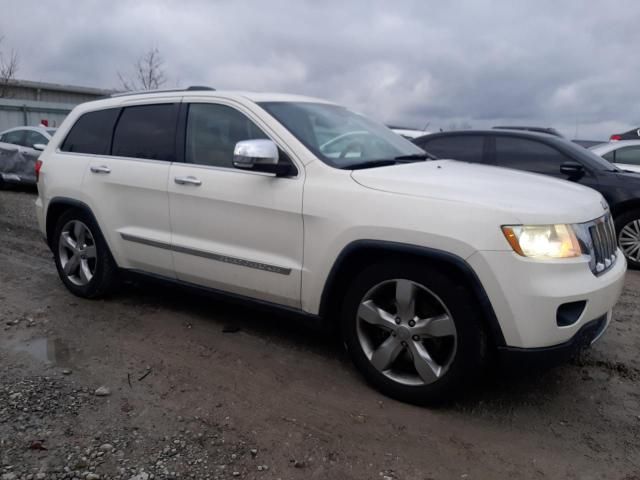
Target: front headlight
{"points": [[543, 241]]}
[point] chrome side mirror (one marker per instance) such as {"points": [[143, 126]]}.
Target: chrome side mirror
{"points": [[260, 156], [250, 154], [39, 146]]}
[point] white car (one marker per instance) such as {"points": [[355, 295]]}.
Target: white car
{"points": [[623, 153], [426, 267], [19, 149]]}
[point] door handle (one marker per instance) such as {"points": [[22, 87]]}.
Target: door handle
{"points": [[188, 181], [101, 169]]}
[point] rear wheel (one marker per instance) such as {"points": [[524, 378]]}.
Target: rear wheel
{"points": [[413, 332], [82, 257], [628, 230]]}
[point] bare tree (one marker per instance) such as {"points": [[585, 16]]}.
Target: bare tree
{"points": [[148, 73], [9, 63]]}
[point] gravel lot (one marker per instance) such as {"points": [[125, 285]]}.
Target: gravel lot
{"points": [[195, 387]]}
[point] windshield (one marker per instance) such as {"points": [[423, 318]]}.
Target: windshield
{"points": [[339, 137]]}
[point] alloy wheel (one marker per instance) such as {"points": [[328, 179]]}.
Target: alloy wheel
{"points": [[77, 252], [406, 332], [629, 240]]}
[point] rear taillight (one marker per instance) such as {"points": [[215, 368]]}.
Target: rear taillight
{"points": [[37, 169], [615, 138]]}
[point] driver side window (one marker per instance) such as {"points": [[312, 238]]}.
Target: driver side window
{"points": [[32, 138], [213, 131], [628, 155]]}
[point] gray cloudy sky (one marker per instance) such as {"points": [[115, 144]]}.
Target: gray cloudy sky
{"points": [[571, 64]]}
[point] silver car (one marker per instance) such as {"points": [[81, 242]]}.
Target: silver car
{"points": [[20, 147], [624, 153]]}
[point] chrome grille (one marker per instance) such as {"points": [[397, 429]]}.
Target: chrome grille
{"points": [[604, 249]]}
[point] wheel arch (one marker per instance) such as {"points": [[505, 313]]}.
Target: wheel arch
{"points": [[625, 207], [361, 253], [56, 208]]}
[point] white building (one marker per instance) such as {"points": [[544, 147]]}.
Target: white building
{"points": [[23, 102]]}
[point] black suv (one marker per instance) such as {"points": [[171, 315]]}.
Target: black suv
{"points": [[550, 155]]}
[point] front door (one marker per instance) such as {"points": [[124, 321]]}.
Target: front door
{"points": [[233, 230]]}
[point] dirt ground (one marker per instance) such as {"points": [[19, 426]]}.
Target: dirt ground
{"points": [[203, 388]]}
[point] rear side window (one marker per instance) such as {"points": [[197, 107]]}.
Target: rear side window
{"points": [[147, 131], [16, 137], [611, 156], [92, 133], [467, 148], [529, 155]]}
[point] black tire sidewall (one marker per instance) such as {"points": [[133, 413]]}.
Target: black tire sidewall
{"points": [[470, 354], [102, 277], [620, 221]]}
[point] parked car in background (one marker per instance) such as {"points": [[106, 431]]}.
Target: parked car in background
{"points": [[633, 134], [407, 132], [556, 157], [548, 130], [587, 143], [624, 153], [19, 149], [421, 265]]}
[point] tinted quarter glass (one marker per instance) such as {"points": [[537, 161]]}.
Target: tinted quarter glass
{"points": [[628, 155], [467, 148], [611, 156], [146, 131], [32, 138], [529, 155], [213, 131], [92, 133]]}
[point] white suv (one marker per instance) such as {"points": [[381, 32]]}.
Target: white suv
{"points": [[427, 267]]}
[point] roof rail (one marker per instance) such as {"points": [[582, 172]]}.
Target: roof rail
{"points": [[193, 88]]}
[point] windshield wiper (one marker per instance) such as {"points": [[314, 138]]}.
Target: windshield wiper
{"points": [[371, 164], [415, 156], [383, 162]]}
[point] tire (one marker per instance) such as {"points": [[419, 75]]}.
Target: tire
{"points": [[445, 317], [628, 235], [88, 271]]}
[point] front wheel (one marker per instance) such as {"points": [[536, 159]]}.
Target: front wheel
{"points": [[628, 230], [413, 332]]}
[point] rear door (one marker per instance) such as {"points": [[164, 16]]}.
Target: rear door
{"points": [[15, 162], [234, 230], [128, 187]]}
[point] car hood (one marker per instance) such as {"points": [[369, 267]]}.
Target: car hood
{"points": [[532, 198], [629, 172]]}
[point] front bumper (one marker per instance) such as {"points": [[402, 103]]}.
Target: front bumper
{"points": [[549, 356], [525, 295]]}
